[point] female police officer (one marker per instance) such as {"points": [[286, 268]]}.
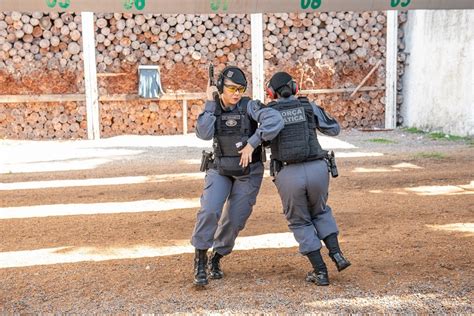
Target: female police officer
{"points": [[237, 126], [301, 175]]}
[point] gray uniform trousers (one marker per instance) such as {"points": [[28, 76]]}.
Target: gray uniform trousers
{"points": [[303, 189], [239, 195]]}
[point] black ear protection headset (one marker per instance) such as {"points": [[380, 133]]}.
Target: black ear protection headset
{"points": [[273, 94], [221, 78]]}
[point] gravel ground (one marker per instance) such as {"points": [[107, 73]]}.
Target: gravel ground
{"points": [[403, 202]]}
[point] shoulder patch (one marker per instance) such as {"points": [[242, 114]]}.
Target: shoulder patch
{"points": [[256, 106], [325, 113]]}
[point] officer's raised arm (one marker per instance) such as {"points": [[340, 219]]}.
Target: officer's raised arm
{"points": [[325, 123], [270, 122], [206, 120]]}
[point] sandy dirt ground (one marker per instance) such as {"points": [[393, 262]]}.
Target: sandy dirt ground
{"points": [[104, 227]]}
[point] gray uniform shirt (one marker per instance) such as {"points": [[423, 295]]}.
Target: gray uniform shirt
{"points": [[324, 123], [270, 122]]}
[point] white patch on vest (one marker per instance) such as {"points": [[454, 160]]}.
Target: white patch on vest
{"points": [[231, 119], [292, 116], [231, 123], [226, 117]]}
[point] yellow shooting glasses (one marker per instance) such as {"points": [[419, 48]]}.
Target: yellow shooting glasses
{"points": [[233, 89]]}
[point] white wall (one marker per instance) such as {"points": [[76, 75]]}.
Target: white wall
{"points": [[438, 84]]}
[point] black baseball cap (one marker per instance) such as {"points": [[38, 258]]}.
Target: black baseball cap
{"points": [[279, 80], [235, 75]]}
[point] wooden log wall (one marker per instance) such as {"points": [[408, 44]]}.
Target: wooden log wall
{"points": [[68, 120], [321, 50], [334, 50], [146, 118], [43, 121]]}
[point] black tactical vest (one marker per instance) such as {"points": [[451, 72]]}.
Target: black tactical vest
{"points": [[297, 141], [232, 129]]}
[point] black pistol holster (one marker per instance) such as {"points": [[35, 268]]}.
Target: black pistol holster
{"points": [[206, 159], [263, 155], [332, 167], [275, 167]]}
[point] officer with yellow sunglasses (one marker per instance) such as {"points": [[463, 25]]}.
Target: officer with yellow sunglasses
{"points": [[237, 126]]}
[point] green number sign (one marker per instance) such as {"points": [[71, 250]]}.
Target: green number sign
{"points": [[127, 4], [139, 4], [51, 3], [63, 4], [314, 4], [403, 3], [216, 5]]}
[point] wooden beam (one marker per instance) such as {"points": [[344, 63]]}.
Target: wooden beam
{"points": [[391, 70], [43, 98], [32, 98], [58, 98], [185, 117], [341, 90], [365, 79], [112, 74], [90, 74], [258, 73], [228, 6], [165, 97]]}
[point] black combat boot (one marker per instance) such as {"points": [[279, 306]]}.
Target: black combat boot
{"points": [[200, 267], [335, 252], [319, 275], [215, 266]]}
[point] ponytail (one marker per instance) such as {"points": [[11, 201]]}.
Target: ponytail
{"points": [[285, 92]]}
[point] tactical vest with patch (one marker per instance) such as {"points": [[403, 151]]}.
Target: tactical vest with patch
{"points": [[297, 141], [232, 129]]}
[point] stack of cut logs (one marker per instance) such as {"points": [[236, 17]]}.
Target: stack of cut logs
{"points": [[344, 42], [40, 40], [53, 40], [68, 120], [171, 39], [44, 121], [292, 42], [147, 118], [329, 38], [364, 110]]}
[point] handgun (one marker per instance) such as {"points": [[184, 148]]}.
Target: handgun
{"points": [[212, 82], [332, 164], [205, 160], [211, 75]]}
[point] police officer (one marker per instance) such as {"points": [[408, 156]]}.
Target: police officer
{"points": [[237, 126], [300, 169]]}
